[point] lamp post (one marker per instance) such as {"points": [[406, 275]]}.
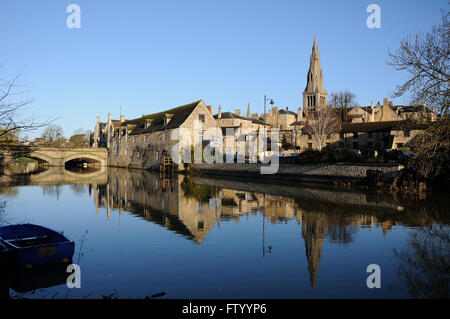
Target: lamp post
{"points": [[271, 103]]}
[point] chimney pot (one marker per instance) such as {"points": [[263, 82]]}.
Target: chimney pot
{"points": [[122, 119]]}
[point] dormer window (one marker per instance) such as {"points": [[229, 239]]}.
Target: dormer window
{"points": [[167, 118]]}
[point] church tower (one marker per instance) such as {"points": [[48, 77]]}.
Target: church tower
{"points": [[315, 94]]}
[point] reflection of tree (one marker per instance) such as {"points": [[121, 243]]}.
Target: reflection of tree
{"points": [[200, 192], [339, 230], [425, 264], [52, 190], [78, 189], [9, 191], [2, 212]]}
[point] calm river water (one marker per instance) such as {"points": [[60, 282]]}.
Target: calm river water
{"points": [[137, 234]]}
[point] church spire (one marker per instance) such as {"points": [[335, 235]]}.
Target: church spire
{"points": [[315, 94], [248, 110]]}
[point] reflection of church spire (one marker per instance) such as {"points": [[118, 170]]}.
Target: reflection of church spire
{"points": [[313, 231]]}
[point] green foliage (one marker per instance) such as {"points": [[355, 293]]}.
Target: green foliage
{"points": [[200, 192], [25, 160]]}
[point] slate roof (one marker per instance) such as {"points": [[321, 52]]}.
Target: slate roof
{"points": [[380, 126], [283, 111], [177, 117], [230, 115]]}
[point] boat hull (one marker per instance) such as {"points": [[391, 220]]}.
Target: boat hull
{"points": [[32, 246]]}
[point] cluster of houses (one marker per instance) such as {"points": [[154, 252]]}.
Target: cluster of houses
{"points": [[142, 142]]}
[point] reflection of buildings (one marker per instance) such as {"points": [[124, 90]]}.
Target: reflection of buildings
{"points": [[314, 228], [193, 210], [182, 206]]}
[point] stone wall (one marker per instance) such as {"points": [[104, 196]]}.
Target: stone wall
{"points": [[294, 171], [144, 150]]}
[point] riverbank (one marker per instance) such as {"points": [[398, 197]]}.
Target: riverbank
{"points": [[353, 174]]}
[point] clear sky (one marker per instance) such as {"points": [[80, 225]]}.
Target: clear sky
{"points": [[147, 56]]}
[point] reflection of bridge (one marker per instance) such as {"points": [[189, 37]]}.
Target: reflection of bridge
{"points": [[54, 156], [57, 176]]}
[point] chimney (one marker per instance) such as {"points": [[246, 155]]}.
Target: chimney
{"points": [[238, 112], [219, 113], [372, 113], [255, 116], [299, 114], [210, 109], [109, 117], [122, 119], [143, 114], [385, 101], [98, 119]]}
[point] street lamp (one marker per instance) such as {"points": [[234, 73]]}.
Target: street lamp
{"points": [[271, 103]]}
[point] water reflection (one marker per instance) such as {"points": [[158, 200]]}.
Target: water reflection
{"points": [[193, 206], [196, 207], [425, 264]]}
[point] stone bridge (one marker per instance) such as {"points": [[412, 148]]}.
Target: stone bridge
{"points": [[55, 156]]}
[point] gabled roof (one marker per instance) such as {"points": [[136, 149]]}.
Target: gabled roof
{"points": [[156, 121], [283, 111], [230, 115], [258, 121]]}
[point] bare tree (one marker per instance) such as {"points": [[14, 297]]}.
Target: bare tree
{"points": [[343, 101], [426, 58], [321, 124], [12, 109], [53, 135]]}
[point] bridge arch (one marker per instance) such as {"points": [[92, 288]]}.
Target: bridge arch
{"points": [[90, 158], [40, 157]]}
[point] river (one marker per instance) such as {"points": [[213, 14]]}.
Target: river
{"points": [[138, 234]]}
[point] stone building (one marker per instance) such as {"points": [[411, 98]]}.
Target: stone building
{"points": [[141, 142], [236, 127], [367, 127]]}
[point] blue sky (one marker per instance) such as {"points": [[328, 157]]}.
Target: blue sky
{"points": [[147, 56]]}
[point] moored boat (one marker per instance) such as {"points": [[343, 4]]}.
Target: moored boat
{"points": [[32, 245]]}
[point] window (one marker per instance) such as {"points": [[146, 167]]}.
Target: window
{"points": [[341, 135], [406, 133], [201, 118], [309, 137], [355, 135], [200, 225], [310, 146], [399, 145]]}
